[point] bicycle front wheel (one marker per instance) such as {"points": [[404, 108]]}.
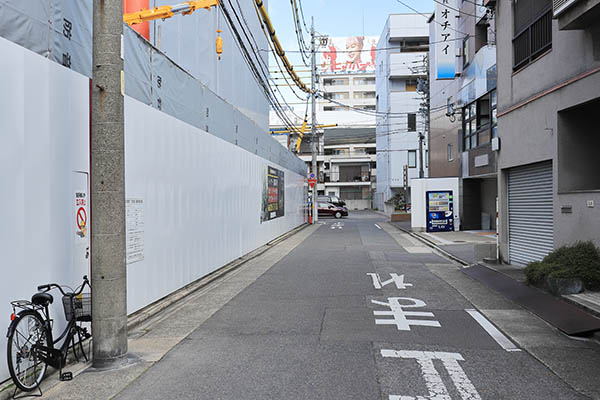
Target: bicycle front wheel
{"points": [[25, 364]]}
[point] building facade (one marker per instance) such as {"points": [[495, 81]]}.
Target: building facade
{"points": [[463, 116], [549, 87], [401, 62]]}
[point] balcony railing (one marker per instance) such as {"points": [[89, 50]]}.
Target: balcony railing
{"points": [[533, 41], [342, 178]]}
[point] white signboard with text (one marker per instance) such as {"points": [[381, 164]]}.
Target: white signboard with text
{"points": [[445, 39]]}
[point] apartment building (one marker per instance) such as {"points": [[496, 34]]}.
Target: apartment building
{"points": [[401, 62]]}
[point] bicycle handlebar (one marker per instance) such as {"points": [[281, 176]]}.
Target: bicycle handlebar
{"points": [[49, 286]]}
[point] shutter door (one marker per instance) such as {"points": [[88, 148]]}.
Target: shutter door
{"points": [[530, 219]]}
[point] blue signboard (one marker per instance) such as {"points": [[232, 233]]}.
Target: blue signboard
{"points": [[440, 211]]}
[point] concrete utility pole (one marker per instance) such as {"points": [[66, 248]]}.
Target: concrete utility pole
{"points": [[313, 85], [109, 273]]}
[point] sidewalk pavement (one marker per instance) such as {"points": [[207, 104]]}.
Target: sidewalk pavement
{"points": [[461, 244], [151, 339]]}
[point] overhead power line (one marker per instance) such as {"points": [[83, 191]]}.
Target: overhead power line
{"points": [[278, 49]]}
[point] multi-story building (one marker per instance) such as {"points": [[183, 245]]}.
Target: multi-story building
{"points": [[346, 160], [548, 98], [346, 164], [401, 61], [463, 122]]}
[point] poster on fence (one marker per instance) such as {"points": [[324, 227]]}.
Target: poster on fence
{"points": [[273, 194]]}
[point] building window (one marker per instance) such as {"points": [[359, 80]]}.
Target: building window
{"points": [[411, 85], [494, 105], [480, 121], [364, 81], [336, 96], [412, 122], [533, 30], [450, 152], [364, 95], [335, 82], [465, 51], [469, 127], [369, 107], [412, 159], [334, 108]]}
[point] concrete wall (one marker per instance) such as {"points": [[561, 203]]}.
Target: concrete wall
{"points": [[200, 195], [530, 133], [202, 201]]}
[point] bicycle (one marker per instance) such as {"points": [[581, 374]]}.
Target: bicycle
{"points": [[31, 347]]}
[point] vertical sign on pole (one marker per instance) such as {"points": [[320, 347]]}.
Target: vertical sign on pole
{"points": [[445, 39]]}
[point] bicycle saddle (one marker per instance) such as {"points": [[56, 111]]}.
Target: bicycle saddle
{"points": [[42, 299]]}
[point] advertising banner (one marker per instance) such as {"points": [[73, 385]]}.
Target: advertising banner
{"points": [[273, 194], [445, 39], [348, 55], [440, 212]]}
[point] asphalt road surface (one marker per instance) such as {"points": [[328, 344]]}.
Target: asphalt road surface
{"points": [[351, 313]]}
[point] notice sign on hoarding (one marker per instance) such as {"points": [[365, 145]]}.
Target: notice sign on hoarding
{"points": [[273, 194], [134, 221], [445, 39]]}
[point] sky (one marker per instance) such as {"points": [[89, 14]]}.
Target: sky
{"points": [[336, 18], [342, 17]]}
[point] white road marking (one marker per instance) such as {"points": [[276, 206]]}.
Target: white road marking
{"points": [[502, 340], [397, 279], [377, 226], [399, 315], [435, 385]]}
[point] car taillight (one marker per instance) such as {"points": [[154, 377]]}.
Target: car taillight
{"points": [[12, 316]]}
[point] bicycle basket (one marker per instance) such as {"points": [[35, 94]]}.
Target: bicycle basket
{"points": [[78, 307]]}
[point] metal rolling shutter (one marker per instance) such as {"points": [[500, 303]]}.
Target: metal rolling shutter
{"points": [[530, 220]]}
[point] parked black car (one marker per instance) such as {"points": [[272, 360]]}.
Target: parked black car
{"points": [[332, 210], [333, 200]]}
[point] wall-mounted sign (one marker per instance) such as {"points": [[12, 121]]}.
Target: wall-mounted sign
{"points": [[445, 39], [134, 221], [273, 195], [348, 55], [440, 211]]}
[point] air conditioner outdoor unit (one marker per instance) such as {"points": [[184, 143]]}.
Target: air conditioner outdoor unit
{"points": [[558, 6]]}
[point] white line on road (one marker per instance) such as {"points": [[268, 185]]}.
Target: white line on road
{"points": [[377, 226], [502, 340], [433, 380]]}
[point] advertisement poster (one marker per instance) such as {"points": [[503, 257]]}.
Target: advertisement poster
{"points": [[273, 194], [348, 55]]}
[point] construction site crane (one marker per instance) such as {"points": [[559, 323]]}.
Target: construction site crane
{"points": [[164, 12]]}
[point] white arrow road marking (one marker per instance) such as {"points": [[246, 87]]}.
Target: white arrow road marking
{"points": [[502, 340], [397, 279], [435, 386], [399, 315]]}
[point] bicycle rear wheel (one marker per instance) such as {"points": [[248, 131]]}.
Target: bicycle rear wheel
{"points": [[25, 365]]}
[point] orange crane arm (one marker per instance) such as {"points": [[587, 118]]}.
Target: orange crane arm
{"points": [[164, 12]]}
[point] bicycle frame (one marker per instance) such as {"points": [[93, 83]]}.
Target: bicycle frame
{"points": [[56, 357]]}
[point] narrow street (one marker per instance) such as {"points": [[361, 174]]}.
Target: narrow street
{"points": [[353, 312]]}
